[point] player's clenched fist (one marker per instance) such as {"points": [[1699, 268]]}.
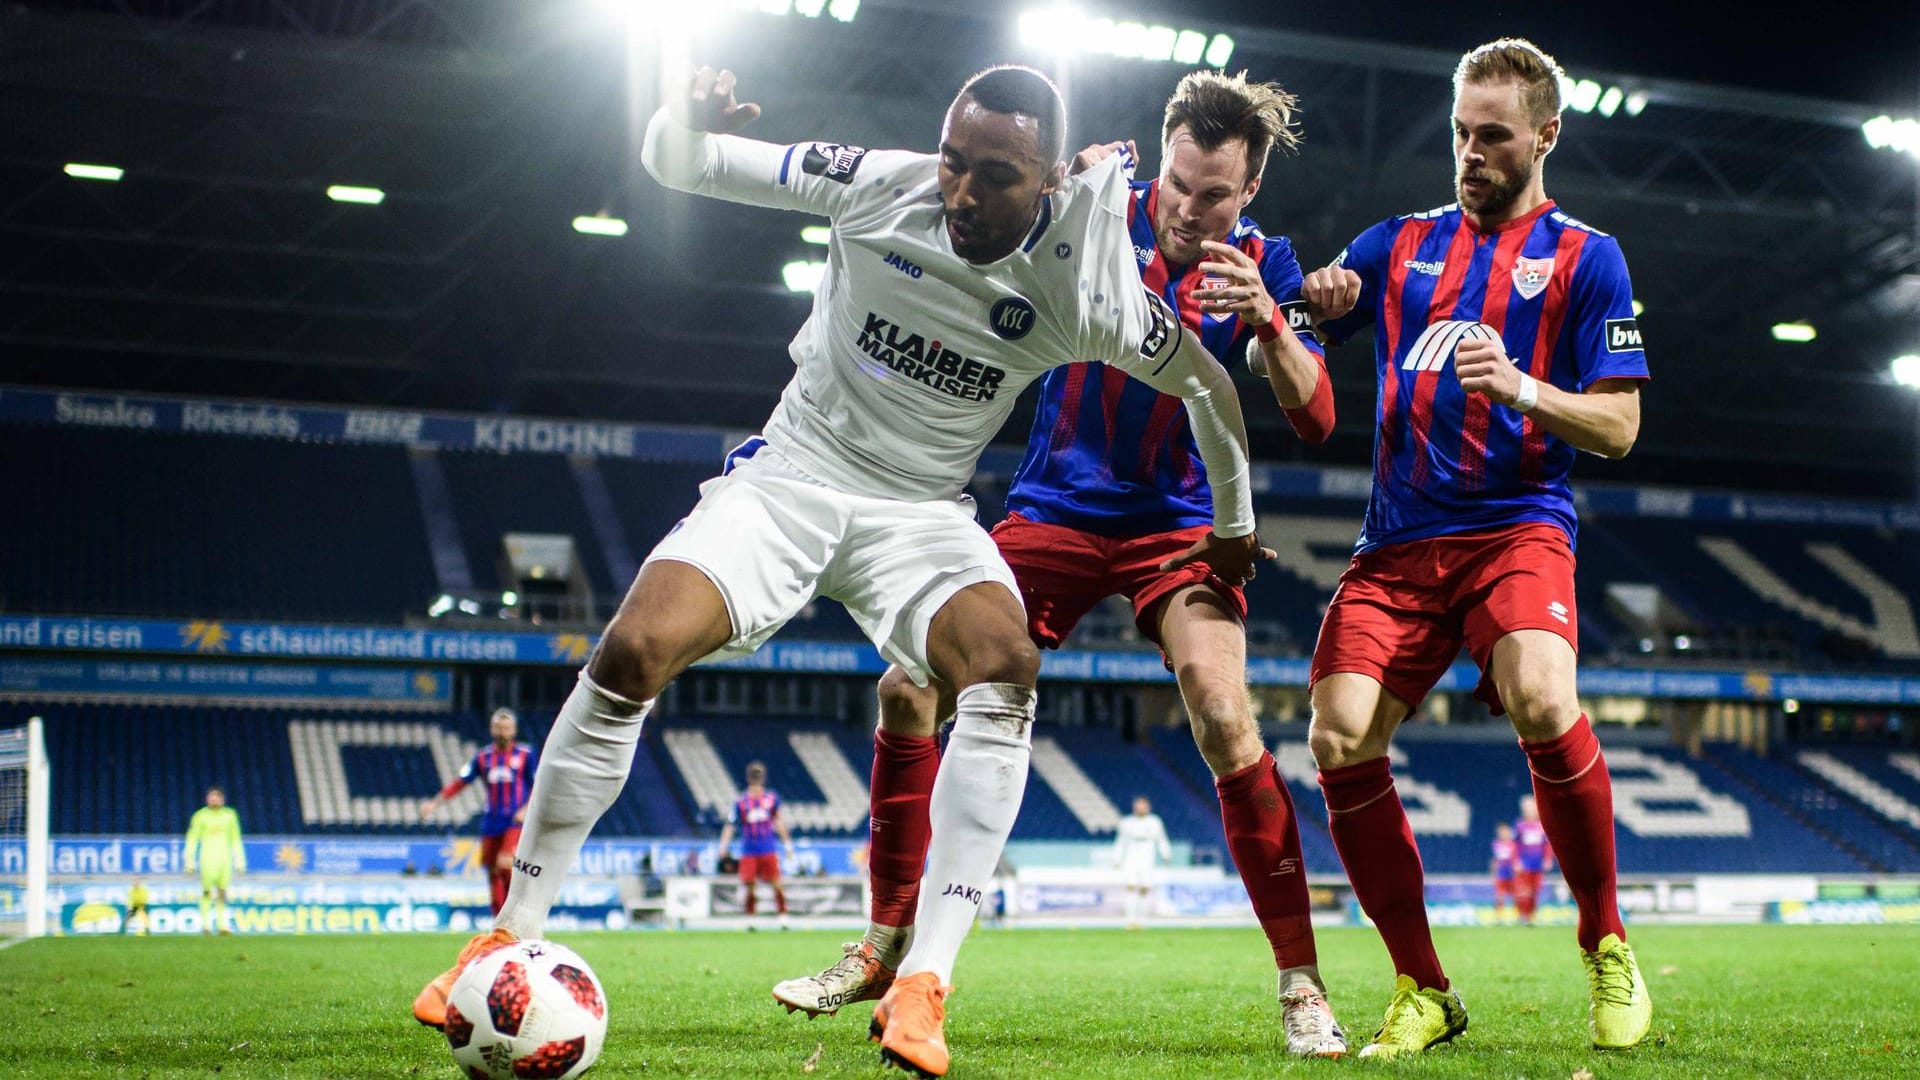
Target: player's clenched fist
{"points": [[709, 104], [1330, 292], [1483, 368]]}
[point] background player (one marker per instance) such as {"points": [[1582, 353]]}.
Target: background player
{"points": [[1469, 533], [853, 489], [1533, 857], [1110, 493], [216, 849], [138, 898], [1139, 842], [507, 769], [757, 813], [1502, 868]]}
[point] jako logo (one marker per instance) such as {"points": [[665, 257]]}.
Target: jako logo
{"points": [[901, 264], [527, 868], [971, 895], [1418, 267], [1623, 335]]}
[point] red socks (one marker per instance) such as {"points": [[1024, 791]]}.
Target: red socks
{"points": [[904, 768], [1375, 841], [1264, 838], [498, 881], [780, 899], [1575, 795]]}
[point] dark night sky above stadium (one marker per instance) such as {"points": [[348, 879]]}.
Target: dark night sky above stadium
{"points": [[1868, 52]]}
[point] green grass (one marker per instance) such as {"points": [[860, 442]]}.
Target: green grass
{"points": [[1730, 1001]]}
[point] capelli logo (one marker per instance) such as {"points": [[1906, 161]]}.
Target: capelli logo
{"points": [[1431, 269]]}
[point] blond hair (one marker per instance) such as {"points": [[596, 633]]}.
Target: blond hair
{"points": [[1519, 60], [1215, 108]]}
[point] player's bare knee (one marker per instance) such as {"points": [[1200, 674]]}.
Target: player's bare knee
{"points": [[1540, 708], [1224, 732], [633, 661], [1337, 743], [1011, 660], [906, 709]]}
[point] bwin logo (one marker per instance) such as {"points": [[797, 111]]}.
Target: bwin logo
{"points": [[1623, 335]]}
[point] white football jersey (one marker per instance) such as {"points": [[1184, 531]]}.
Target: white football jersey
{"points": [[1138, 839], [912, 357]]}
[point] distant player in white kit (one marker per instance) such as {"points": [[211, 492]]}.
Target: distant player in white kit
{"points": [[1139, 843], [953, 281]]}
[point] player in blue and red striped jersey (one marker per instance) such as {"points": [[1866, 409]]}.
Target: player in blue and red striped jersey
{"points": [[1505, 342], [1533, 857], [1110, 497], [756, 813], [506, 768], [1502, 867]]}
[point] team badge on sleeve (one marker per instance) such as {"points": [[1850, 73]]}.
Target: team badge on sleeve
{"points": [[1530, 276], [833, 161], [1161, 331]]}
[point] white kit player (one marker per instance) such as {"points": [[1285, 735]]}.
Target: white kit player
{"points": [[953, 280], [1139, 844]]}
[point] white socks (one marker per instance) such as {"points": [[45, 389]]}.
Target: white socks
{"points": [[983, 776], [581, 771]]}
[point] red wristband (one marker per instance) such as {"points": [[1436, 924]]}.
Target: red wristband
{"points": [[1266, 331]]}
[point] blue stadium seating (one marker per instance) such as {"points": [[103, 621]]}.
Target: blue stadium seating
{"points": [[133, 523], [142, 770]]}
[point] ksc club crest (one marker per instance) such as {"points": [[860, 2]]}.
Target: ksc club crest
{"points": [[1530, 276]]}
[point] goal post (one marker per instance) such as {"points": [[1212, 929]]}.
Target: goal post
{"points": [[25, 785]]}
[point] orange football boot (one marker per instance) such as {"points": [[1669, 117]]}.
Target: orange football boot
{"points": [[430, 1005], [908, 1024]]}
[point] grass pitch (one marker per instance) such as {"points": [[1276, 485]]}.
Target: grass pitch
{"points": [[1729, 1001]]}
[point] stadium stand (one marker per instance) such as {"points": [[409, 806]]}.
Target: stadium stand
{"points": [[133, 770]]}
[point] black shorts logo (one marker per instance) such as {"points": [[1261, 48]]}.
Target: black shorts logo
{"points": [[1296, 315], [1623, 335], [1012, 318], [832, 161]]}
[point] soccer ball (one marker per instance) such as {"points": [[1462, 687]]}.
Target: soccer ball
{"points": [[532, 1009]]}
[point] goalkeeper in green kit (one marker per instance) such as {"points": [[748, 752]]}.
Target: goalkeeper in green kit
{"points": [[215, 848]]}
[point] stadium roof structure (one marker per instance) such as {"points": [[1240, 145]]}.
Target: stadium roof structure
{"points": [[218, 264]]}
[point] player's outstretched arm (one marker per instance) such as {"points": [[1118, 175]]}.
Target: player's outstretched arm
{"points": [[1180, 365], [690, 146]]}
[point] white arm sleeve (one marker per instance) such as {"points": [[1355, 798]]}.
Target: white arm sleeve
{"points": [[815, 178], [1172, 361]]}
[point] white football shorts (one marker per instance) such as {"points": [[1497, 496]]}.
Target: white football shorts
{"points": [[771, 538]]}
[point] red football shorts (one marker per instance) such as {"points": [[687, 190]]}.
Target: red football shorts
{"points": [[1503, 888], [492, 847], [1401, 613], [759, 868], [1064, 572], [1526, 883]]}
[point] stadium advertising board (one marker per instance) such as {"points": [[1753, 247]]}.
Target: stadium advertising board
{"points": [[303, 641], [688, 445], [157, 681]]}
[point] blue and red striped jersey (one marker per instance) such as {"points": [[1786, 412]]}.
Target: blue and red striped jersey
{"points": [[1504, 854], [1555, 291], [1113, 456], [1530, 845], [508, 776], [754, 815]]}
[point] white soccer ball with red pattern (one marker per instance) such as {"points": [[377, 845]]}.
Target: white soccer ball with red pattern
{"points": [[532, 1009]]}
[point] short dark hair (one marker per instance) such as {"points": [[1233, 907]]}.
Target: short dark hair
{"points": [[1023, 91], [1217, 108], [754, 769]]}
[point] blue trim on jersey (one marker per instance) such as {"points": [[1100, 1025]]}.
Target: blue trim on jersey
{"points": [[784, 162], [1040, 228], [743, 452]]}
